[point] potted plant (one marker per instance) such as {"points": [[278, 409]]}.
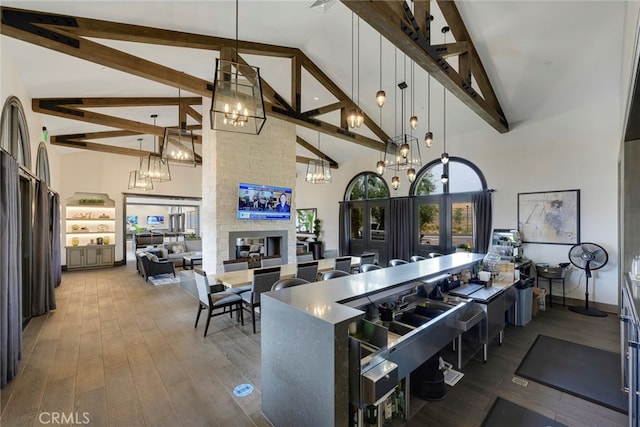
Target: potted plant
{"points": [[463, 247], [316, 246]]}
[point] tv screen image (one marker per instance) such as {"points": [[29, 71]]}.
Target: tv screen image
{"points": [[264, 202], [132, 219], [155, 219]]}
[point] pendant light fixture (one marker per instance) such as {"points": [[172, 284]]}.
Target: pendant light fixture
{"points": [[138, 180], [237, 104], [403, 151], [178, 144], [381, 96], [157, 168], [413, 121], [428, 137], [444, 158], [355, 116], [318, 171]]}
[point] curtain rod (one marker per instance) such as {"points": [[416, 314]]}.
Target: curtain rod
{"points": [[28, 173]]}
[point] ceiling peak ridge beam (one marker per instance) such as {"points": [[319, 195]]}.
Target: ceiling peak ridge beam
{"points": [[58, 35], [394, 20]]}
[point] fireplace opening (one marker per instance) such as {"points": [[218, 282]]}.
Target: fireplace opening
{"points": [[254, 245]]}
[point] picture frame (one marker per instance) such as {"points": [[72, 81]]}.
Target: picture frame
{"points": [[304, 220], [549, 217]]}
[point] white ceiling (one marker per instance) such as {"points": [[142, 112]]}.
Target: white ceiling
{"points": [[541, 57]]}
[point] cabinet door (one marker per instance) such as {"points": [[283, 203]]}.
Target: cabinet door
{"points": [[107, 255], [75, 258], [91, 257]]}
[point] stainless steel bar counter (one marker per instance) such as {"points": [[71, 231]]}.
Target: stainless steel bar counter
{"points": [[305, 344]]}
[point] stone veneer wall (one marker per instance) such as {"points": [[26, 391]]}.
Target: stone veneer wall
{"points": [[230, 158]]}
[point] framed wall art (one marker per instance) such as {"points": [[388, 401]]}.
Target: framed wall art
{"points": [[304, 220], [551, 217]]}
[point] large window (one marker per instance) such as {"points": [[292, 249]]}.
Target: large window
{"points": [[445, 214], [42, 164]]}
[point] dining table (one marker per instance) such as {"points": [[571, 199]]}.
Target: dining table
{"points": [[235, 279]]}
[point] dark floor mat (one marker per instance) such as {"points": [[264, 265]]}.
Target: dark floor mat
{"points": [[504, 413], [585, 372]]}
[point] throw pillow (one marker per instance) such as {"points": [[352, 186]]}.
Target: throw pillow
{"points": [[152, 257], [178, 249]]}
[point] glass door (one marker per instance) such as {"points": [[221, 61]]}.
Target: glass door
{"points": [[430, 226], [367, 228]]}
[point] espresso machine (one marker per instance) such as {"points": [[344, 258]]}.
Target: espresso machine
{"points": [[506, 243]]}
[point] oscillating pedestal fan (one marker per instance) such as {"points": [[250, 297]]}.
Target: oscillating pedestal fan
{"points": [[588, 257]]}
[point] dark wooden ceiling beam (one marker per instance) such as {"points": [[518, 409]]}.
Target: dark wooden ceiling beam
{"points": [[302, 142], [390, 18], [305, 160]]}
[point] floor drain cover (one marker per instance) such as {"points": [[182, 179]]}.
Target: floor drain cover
{"points": [[243, 390], [520, 381]]}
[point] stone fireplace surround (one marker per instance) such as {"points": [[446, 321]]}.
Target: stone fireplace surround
{"points": [[275, 241]]}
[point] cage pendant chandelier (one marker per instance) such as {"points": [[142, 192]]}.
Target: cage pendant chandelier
{"points": [[178, 146], [318, 170], [403, 151], [237, 104], [157, 168], [137, 179]]}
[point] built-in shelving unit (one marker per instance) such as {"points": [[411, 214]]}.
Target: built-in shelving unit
{"points": [[90, 230]]}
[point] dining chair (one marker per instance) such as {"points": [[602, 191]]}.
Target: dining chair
{"points": [[308, 271], [434, 254], [366, 258], [304, 257], [369, 267], [288, 282], [271, 261], [343, 264], [416, 258], [332, 274], [234, 265], [331, 253], [395, 262], [215, 297], [263, 280]]}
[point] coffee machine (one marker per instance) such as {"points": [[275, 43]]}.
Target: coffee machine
{"points": [[506, 243]]}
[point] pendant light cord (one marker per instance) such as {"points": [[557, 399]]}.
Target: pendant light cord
{"points": [[236, 31], [428, 102]]}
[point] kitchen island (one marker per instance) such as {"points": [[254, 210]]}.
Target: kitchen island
{"points": [[305, 338]]}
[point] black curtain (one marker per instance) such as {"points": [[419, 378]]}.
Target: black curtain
{"points": [[10, 269], [399, 234], [343, 229], [482, 203], [56, 263], [43, 296]]}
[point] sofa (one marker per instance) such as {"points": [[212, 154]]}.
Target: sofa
{"points": [[174, 251]]}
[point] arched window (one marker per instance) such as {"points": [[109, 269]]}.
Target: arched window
{"points": [[445, 212], [42, 164], [367, 186], [366, 202], [14, 134]]}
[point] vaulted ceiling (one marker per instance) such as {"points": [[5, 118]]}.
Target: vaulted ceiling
{"points": [[131, 57]]}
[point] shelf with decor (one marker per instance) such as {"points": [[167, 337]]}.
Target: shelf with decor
{"points": [[90, 230]]}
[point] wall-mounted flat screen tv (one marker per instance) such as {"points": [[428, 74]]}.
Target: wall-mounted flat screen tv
{"points": [[132, 219], [155, 219], [264, 202]]}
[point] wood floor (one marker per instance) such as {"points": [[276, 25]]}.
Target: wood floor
{"points": [[125, 353]]}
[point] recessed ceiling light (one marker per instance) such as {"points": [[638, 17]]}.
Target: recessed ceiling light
{"points": [[105, 69], [316, 98]]}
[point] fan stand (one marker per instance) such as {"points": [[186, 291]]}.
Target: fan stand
{"points": [[586, 310]]}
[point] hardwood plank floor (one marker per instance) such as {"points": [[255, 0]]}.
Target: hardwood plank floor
{"points": [[126, 352]]}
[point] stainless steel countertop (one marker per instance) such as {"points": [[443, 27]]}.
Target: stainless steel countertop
{"points": [[324, 300]]}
